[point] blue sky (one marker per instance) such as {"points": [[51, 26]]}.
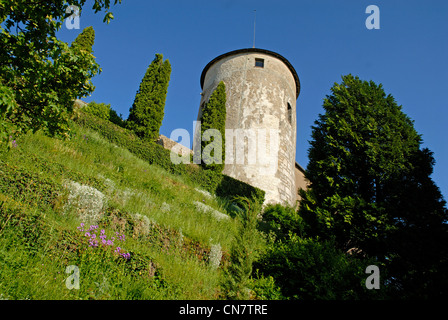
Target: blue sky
{"points": [[323, 39]]}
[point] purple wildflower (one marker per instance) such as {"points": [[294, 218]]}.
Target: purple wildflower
{"points": [[93, 243], [127, 256]]}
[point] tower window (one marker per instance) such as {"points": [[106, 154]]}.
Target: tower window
{"points": [[259, 63], [289, 113]]}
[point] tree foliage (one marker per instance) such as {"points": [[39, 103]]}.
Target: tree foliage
{"points": [[371, 189], [214, 118], [41, 76], [306, 267], [85, 40], [146, 114], [100, 110]]}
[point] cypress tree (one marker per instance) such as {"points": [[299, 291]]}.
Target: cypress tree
{"points": [[82, 47], [214, 117], [146, 114], [85, 40]]}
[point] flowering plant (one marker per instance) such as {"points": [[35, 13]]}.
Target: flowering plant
{"points": [[91, 234]]}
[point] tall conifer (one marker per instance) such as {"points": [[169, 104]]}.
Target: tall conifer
{"points": [[147, 111], [85, 40], [214, 117]]}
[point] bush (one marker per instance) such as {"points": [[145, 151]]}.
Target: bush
{"points": [[309, 269], [282, 220], [264, 288], [25, 185], [100, 110], [231, 187]]}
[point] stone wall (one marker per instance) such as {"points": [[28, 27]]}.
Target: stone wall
{"points": [[167, 143], [301, 181]]}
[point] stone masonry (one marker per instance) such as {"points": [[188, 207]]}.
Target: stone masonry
{"points": [[262, 88]]}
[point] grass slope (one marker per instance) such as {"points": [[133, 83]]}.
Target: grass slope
{"points": [[48, 187]]}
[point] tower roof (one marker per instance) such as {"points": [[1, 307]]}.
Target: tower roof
{"points": [[254, 50]]}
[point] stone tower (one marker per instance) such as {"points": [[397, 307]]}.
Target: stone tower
{"points": [[262, 88]]}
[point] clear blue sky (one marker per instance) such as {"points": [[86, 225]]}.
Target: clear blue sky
{"points": [[323, 39]]}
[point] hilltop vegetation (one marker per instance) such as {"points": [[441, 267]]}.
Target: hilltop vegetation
{"points": [[179, 236]]}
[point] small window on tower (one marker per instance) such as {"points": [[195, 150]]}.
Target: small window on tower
{"points": [[259, 63], [289, 113]]}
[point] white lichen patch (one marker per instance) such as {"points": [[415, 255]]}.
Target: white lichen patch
{"points": [[142, 224], [204, 193], [165, 207], [87, 202], [207, 209], [215, 256]]}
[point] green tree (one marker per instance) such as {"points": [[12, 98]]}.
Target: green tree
{"points": [[417, 240], [146, 114], [214, 117], [85, 40], [371, 185], [41, 76], [116, 118]]}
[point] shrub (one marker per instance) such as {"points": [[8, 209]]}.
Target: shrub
{"points": [[231, 187], [24, 185], [310, 269], [100, 110], [264, 288], [282, 220]]}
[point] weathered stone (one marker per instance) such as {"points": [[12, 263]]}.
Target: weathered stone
{"points": [[259, 98], [169, 144]]}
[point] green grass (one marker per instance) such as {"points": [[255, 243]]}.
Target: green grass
{"points": [[39, 236]]}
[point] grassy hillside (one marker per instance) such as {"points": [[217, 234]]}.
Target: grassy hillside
{"points": [[164, 237]]}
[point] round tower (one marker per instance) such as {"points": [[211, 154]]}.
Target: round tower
{"points": [[261, 88]]}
